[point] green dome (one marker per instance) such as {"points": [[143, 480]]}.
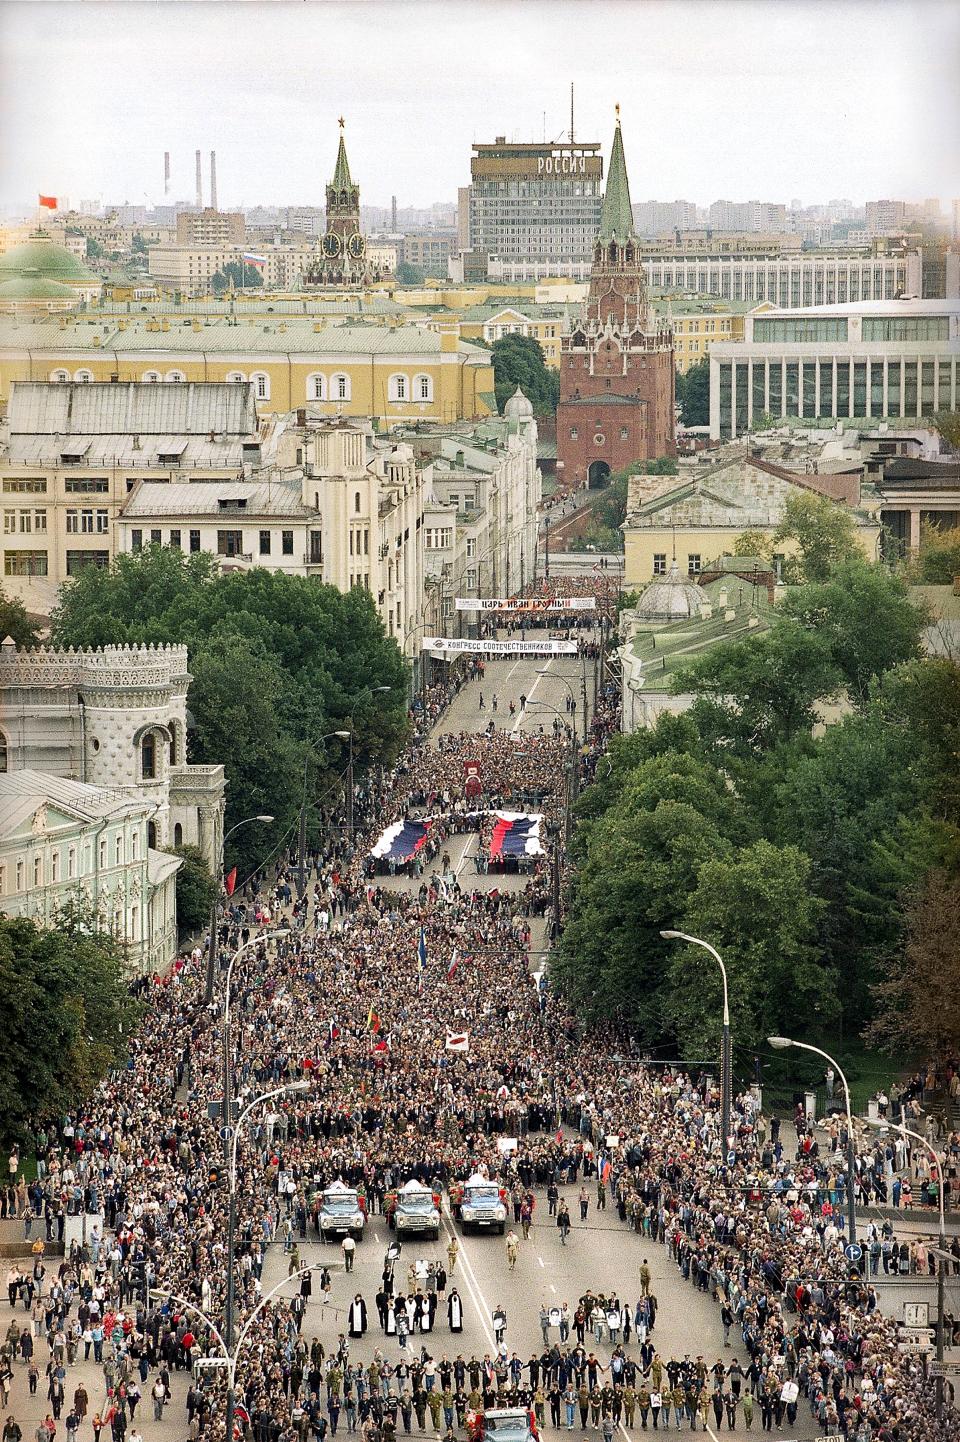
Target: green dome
{"points": [[42, 258], [31, 286]]}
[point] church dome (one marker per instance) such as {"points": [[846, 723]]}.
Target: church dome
{"points": [[41, 258], [670, 598], [518, 408]]}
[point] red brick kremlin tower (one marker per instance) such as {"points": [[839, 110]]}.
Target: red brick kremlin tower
{"points": [[616, 367]]}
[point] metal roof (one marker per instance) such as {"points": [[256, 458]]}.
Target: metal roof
{"points": [[200, 500], [220, 336], [38, 408], [22, 793]]}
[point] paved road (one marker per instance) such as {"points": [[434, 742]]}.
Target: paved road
{"points": [[601, 1255]]}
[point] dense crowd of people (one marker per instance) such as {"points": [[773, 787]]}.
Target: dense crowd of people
{"points": [[357, 997]]}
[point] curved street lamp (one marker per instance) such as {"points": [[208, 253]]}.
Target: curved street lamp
{"points": [[726, 1048], [212, 948], [780, 1043]]}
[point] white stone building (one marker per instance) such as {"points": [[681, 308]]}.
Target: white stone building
{"points": [[65, 843], [115, 719]]}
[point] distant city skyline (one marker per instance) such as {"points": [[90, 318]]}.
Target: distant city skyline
{"points": [[742, 100]]}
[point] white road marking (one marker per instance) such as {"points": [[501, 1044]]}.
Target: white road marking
{"points": [[530, 695], [541, 1261], [552, 1287], [476, 1295], [464, 854]]}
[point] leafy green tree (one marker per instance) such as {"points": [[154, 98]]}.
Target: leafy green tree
{"points": [[239, 275], [15, 623], [518, 361], [867, 617], [755, 906], [278, 662], [610, 504], [917, 1002], [824, 532], [196, 889], [138, 245], [755, 693], [408, 274], [94, 249], [754, 543], [938, 561], [947, 424], [694, 394], [67, 1013]]}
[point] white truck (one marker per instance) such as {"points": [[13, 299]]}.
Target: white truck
{"points": [[342, 1210], [416, 1212], [479, 1202]]}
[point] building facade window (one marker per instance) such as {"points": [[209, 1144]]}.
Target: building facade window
{"points": [[25, 563], [77, 560], [84, 377], [422, 388], [229, 543], [148, 757], [340, 387], [286, 543], [397, 388], [316, 388], [693, 563], [151, 377], [261, 385], [264, 543], [175, 376], [194, 541], [659, 563], [235, 378]]}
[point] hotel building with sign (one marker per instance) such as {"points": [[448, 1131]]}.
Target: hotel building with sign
{"points": [[534, 209]]}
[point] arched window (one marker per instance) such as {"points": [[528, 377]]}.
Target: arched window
{"points": [[356, 503], [316, 388], [38, 870], [175, 376], [173, 745], [151, 834], [151, 377], [235, 378], [397, 388], [178, 835], [84, 377], [3, 753], [339, 388], [148, 757], [422, 388], [59, 378], [261, 385]]}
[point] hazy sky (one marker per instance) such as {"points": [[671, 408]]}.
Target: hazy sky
{"points": [[765, 99]]}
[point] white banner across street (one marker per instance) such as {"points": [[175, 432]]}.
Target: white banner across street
{"points": [[527, 603], [482, 647]]}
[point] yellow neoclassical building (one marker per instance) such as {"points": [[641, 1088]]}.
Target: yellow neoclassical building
{"points": [[393, 372]]}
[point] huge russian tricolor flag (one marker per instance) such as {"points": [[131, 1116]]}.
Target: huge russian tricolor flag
{"points": [[401, 840], [515, 833]]}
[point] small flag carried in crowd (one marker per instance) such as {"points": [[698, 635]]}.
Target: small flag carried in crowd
{"points": [[373, 1021], [231, 881], [454, 963], [421, 958], [458, 1040]]}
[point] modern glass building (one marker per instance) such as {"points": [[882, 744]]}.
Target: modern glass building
{"points": [[879, 360]]}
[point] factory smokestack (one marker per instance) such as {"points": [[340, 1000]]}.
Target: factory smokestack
{"points": [[199, 184], [393, 213], [213, 180], [166, 172]]}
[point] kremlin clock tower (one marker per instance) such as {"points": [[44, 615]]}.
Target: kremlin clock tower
{"points": [[617, 365], [343, 248]]}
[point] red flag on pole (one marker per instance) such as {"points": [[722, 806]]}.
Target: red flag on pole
{"points": [[231, 881], [49, 202]]}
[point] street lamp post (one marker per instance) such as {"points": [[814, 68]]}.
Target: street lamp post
{"points": [[781, 1043], [542, 671], [942, 1252], [212, 949], [573, 786], [231, 1358], [726, 1048], [348, 736]]}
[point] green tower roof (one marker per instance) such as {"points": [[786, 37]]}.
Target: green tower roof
{"points": [[616, 217], [41, 257], [341, 176]]}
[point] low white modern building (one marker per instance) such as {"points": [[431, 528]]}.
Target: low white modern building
{"points": [[64, 844], [875, 360]]}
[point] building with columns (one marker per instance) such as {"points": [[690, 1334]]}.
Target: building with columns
{"points": [[67, 844], [115, 718], [891, 360], [617, 365]]}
